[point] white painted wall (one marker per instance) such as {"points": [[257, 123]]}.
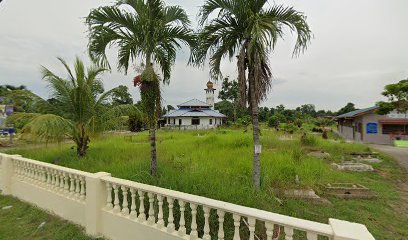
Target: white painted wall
{"points": [[186, 123], [95, 202]]}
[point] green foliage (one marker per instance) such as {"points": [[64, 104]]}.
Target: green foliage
{"points": [[121, 96], [19, 120], [147, 30], [217, 164], [229, 90], [243, 121], [25, 101], [397, 95], [82, 109], [348, 108], [324, 124], [276, 119], [249, 29], [48, 127], [22, 220], [308, 140], [289, 128]]}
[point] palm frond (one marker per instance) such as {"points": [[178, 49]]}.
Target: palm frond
{"points": [[48, 127]]}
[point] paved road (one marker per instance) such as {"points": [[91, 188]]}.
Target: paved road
{"points": [[400, 154]]}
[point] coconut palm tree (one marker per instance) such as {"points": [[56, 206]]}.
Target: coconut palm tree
{"points": [[249, 29], [81, 107], [146, 31]]}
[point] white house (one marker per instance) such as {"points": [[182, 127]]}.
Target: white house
{"points": [[196, 114]]}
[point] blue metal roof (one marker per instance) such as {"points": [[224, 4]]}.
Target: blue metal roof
{"points": [[194, 103], [195, 113], [357, 112]]}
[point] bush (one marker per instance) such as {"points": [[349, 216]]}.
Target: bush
{"points": [[308, 140], [273, 122], [290, 128]]}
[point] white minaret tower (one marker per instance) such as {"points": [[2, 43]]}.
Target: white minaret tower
{"points": [[210, 93]]}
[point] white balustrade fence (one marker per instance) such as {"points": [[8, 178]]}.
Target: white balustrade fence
{"points": [[122, 209]]}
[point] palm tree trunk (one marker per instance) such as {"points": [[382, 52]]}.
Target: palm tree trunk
{"points": [[153, 159], [256, 171], [153, 162], [82, 142]]}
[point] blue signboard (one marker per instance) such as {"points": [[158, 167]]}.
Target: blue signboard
{"points": [[372, 128]]}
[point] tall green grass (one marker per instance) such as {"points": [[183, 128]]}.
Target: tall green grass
{"points": [[218, 164]]}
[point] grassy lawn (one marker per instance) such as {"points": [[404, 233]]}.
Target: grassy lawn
{"points": [[22, 221], [218, 164]]}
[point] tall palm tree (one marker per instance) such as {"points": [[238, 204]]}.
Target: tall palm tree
{"points": [[249, 29], [146, 31], [81, 107]]}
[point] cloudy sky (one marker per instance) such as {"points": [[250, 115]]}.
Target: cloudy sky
{"points": [[358, 47]]}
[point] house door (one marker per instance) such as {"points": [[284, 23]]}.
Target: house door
{"points": [[360, 128]]}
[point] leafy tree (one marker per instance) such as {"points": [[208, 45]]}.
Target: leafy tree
{"points": [[229, 92], [146, 31], [83, 110], [225, 107], [276, 119], [4, 89], [307, 109], [264, 114], [348, 108], [169, 108], [290, 128], [249, 29], [397, 95], [121, 95], [23, 100]]}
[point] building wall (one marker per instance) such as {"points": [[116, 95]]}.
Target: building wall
{"points": [[377, 138], [186, 123], [347, 133]]}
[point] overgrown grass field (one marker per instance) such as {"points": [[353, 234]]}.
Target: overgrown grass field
{"points": [[22, 222], [218, 164]]}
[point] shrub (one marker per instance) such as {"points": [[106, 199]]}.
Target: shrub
{"points": [[308, 140], [290, 128]]}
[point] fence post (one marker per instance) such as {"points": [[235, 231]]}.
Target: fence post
{"points": [[344, 230], [95, 200], [6, 173]]}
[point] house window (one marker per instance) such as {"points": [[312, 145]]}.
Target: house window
{"points": [[210, 121], [174, 121], [180, 121], [394, 129], [215, 121], [195, 121], [168, 120]]}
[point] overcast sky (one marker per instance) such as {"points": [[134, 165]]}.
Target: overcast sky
{"points": [[358, 47]]}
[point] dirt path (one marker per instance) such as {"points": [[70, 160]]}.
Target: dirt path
{"points": [[401, 156]]}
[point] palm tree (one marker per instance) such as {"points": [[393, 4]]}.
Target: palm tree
{"points": [[324, 125], [249, 29], [146, 31], [81, 107]]}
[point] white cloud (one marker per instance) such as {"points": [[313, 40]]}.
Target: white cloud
{"points": [[358, 47]]}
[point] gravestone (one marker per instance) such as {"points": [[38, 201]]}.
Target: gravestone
{"points": [[354, 167]]}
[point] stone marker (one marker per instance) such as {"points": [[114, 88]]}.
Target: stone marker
{"points": [[348, 191], [355, 167], [319, 154], [6, 207], [41, 225]]}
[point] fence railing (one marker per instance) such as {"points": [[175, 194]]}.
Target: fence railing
{"points": [[123, 209]]}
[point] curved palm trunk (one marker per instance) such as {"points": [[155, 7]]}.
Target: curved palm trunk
{"points": [[256, 171]]}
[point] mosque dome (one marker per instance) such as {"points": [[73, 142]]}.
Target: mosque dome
{"points": [[210, 85]]}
